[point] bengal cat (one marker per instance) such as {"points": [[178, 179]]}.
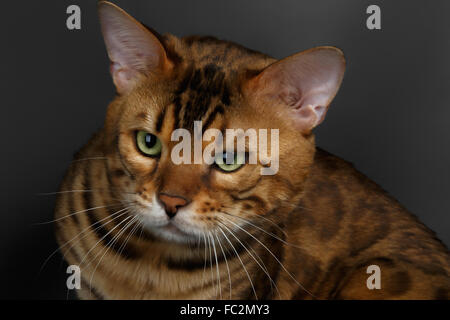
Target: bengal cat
{"points": [[141, 227]]}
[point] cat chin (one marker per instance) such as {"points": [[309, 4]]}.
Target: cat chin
{"points": [[171, 233]]}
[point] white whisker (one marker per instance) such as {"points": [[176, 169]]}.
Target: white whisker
{"points": [[109, 245], [275, 257], [243, 266], [217, 266], [264, 269], [226, 263], [83, 231]]}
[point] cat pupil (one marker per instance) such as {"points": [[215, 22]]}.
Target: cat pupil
{"points": [[150, 140]]}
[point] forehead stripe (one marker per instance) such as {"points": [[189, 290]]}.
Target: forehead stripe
{"points": [[160, 120], [212, 116]]}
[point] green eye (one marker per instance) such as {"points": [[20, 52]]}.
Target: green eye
{"points": [[229, 162], [148, 144]]}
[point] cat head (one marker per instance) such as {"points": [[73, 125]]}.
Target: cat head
{"points": [[164, 84]]}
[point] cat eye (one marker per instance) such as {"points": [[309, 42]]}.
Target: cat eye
{"points": [[229, 162], [148, 144]]}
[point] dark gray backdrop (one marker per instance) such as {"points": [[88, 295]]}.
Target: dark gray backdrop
{"points": [[391, 117]]}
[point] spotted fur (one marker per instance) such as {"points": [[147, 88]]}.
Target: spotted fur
{"points": [[308, 232]]}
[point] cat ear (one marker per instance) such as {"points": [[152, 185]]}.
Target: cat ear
{"points": [[305, 82], [133, 50]]}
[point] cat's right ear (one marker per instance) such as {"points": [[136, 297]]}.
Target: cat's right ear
{"points": [[134, 51]]}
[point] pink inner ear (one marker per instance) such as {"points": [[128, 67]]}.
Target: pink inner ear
{"points": [[314, 107], [122, 77], [306, 82], [307, 117]]}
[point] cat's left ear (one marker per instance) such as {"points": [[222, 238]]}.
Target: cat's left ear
{"points": [[134, 50], [305, 83]]}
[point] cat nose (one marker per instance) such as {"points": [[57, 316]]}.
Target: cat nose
{"points": [[172, 203]]}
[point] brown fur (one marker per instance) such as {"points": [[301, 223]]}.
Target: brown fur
{"points": [[327, 221]]}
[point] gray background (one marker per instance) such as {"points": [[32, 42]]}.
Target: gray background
{"points": [[391, 117]]}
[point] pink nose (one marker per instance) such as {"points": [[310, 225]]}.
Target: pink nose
{"points": [[172, 203]]}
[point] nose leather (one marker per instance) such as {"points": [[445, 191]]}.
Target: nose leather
{"points": [[172, 203]]}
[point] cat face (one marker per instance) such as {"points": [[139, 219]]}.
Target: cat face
{"points": [[166, 84]]}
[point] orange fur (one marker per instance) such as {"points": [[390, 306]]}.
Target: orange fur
{"points": [[315, 225]]}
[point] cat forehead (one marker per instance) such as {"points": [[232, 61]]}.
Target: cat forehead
{"points": [[206, 82], [201, 91], [210, 81]]}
